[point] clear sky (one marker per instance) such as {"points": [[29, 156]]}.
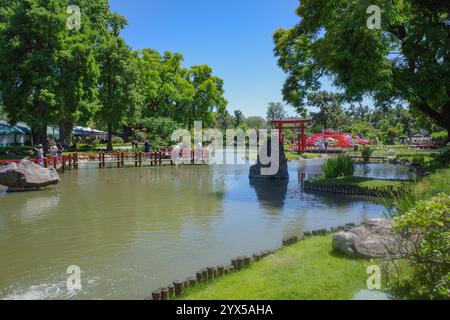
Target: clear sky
{"points": [[234, 37]]}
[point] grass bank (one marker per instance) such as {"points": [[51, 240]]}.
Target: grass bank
{"points": [[304, 271]]}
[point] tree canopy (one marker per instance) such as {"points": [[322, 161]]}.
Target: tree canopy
{"points": [[53, 74], [406, 60]]}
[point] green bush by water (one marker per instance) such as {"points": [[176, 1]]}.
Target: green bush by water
{"points": [[425, 235], [340, 166]]}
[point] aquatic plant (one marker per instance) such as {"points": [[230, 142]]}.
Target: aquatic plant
{"points": [[340, 166]]}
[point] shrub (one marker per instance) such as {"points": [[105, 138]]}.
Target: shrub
{"points": [[366, 153], [424, 233], [440, 136], [117, 140], [341, 166], [159, 130], [442, 159]]}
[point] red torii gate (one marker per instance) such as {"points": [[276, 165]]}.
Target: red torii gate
{"points": [[293, 124]]}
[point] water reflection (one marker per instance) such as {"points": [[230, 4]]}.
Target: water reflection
{"points": [[270, 193]]}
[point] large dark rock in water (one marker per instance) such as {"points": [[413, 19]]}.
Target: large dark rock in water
{"points": [[27, 176], [373, 239], [282, 173]]}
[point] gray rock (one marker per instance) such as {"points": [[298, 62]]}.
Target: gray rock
{"points": [[27, 176], [371, 240], [282, 173]]}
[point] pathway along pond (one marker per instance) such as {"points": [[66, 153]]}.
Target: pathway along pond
{"points": [[137, 229]]}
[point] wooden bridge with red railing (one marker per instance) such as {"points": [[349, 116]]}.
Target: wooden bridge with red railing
{"points": [[73, 161]]}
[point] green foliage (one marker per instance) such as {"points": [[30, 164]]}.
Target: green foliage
{"points": [[185, 95], [366, 153], [256, 123], [340, 166], [440, 136], [32, 34], [119, 95], [425, 233], [116, 140], [442, 159], [275, 111], [332, 39], [331, 114], [159, 130]]}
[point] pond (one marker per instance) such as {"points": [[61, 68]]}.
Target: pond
{"points": [[137, 229]]}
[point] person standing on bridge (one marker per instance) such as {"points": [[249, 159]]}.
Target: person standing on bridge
{"points": [[39, 154]]}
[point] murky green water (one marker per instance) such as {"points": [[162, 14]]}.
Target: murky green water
{"points": [[134, 230]]}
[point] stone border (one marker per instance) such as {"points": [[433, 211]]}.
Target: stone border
{"points": [[207, 274], [352, 190]]}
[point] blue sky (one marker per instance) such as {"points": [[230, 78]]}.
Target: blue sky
{"points": [[234, 37]]}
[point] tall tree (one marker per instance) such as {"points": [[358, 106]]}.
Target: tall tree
{"points": [[119, 95], [78, 69], [256, 123], [275, 111], [407, 59], [31, 37], [208, 97], [186, 95], [331, 114], [238, 118]]}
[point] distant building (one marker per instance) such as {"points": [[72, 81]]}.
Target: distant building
{"points": [[420, 139], [14, 135]]}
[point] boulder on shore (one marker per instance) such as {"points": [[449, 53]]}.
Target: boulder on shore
{"points": [[282, 172], [26, 176], [373, 239]]}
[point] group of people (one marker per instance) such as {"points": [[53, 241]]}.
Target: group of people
{"points": [[54, 151]]}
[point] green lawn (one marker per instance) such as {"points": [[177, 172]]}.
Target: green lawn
{"points": [[306, 270]]}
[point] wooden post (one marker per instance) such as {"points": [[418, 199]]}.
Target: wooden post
{"points": [[210, 272], [199, 276], [234, 263], [156, 158], [179, 287], [140, 159], [100, 163], [64, 163], [164, 294], [205, 275], [70, 161], [240, 263], [135, 159], [103, 159], [156, 295], [160, 158], [192, 281], [247, 261], [122, 161], [171, 288], [75, 159], [220, 270]]}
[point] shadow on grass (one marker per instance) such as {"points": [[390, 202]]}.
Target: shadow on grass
{"points": [[337, 254]]}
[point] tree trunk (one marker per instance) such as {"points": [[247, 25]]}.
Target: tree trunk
{"points": [[109, 146], [40, 136], [65, 131]]}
